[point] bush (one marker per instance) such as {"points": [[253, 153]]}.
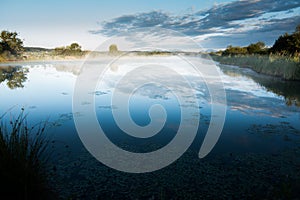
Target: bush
{"points": [[73, 50], [113, 49]]}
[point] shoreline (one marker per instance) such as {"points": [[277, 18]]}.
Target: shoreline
{"points": [[279, 67], [274, 66]]}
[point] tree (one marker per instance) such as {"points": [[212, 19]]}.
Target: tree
{"points": [[256, 48], [11, 43], [72, 50], [113, 49], [297, 29], [74, 47], [230, 50], [288, 44]]}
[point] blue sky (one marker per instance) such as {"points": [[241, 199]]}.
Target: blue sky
{"points": [[213, 23]]}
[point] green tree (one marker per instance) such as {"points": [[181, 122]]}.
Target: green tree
{"points": [[71, 50], [113, 49], [11, 43], [256, 48], [74, 47], [288, 44], [297, 29], [230, 50]]}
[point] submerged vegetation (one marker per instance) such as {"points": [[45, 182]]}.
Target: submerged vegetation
{"points": [[22, 160], [281, 60]]}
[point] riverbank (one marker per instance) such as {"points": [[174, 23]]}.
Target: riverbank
{"points": [[278, 66], [50, 56]]}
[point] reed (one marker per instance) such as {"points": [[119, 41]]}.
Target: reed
{"points": [[23, 157], [287, 68]]}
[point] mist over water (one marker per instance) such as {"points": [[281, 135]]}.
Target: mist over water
{"points": [[262, 118]]}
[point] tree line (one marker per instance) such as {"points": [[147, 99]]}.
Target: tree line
{"points": [[285, 45], [72, 50], [12, 48]]}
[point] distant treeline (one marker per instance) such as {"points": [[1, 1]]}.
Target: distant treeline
{"points": [[285, 45], [12, 48], [281, 60], [72, 50]]}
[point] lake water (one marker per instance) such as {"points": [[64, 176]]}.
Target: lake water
{"points": [[257, 154]]}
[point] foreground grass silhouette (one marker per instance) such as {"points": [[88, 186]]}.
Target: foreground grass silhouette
{"points": [[22, 159]]}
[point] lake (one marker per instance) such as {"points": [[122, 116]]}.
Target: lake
{"points": [[256, 155]]}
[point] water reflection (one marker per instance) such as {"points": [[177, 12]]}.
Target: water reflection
{"points": [[68, 67], [14, 76], [259, 143], [290, 90]]}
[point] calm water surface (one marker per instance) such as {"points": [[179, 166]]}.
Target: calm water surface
{"points": [[262, 127]]}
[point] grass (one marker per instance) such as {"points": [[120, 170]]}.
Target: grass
{"points": [[287, 68], [22, 160]]}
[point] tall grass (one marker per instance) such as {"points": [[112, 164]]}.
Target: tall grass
{"points": [[287, 68], [22, 159]]}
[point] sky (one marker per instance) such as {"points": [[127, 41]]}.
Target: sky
{"points": [[213, 23]]}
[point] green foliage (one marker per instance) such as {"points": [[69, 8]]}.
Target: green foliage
{"points": [[288, 44], [256, 48], [113, 49], [11, 44], [74, 47], [235, 51], [297, 29], [281, 60], [22, 160], [72, 50], [284, 67]]}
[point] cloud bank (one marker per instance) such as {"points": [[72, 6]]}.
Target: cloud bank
{"points": [[237, 23]]}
